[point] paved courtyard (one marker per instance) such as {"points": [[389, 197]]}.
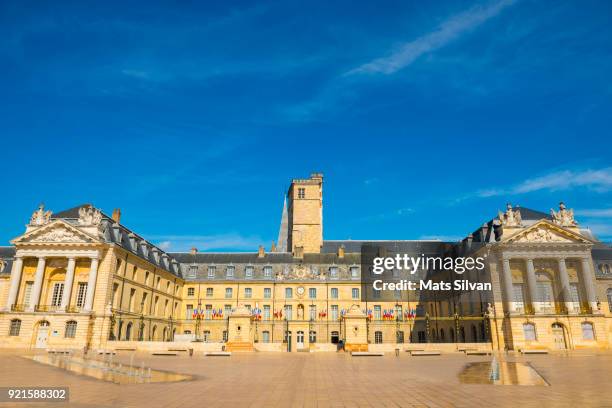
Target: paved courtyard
{"points": [[324, 380]]}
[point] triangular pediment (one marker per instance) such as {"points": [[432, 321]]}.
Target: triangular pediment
{"points": [[546, 232], [55, 232]]}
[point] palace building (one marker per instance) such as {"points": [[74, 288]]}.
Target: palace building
{"points": [[80, 279]]}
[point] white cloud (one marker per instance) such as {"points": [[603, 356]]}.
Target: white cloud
{"points": [[445, 238], [597, 213], [598, 180], [181, 243], [446, 32]]}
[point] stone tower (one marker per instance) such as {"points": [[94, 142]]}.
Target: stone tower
{"points": [[305, 215]]}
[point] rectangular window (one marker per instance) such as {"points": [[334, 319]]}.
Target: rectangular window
{"points": [[58, 291], [288, 312], [529, 332], [301, 193], [189, 312], [190, 291], [575, 296], [248, 272], [15, 327], [354, 272], [334, 312], [28, 292], [377, 312], [265, 336], [333, 272], [288, 293], [266, 312], [312, 293], [355, 293], [229, 272], [267, 271], [248, 292], [208, 312], [545, 294], [209, 292], [193, 270], [211, 272], [313, 312], [517, 292], [587, 331], [228, 293], [334, 293], [227, 310], [81, 291], [267, 293]]}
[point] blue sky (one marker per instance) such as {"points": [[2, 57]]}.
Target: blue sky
{"points": [[425, 117]]}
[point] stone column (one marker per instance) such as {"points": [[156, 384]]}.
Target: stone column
{"points": [[38, 282], [15, 281], [531, 284], [565, 286], [589, 285], [507, 274], [91, 284], [68, 283]]}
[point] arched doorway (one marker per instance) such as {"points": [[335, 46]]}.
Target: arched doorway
{"points": [[128, 331], [42, 334], [165, 334], [559, 339]]}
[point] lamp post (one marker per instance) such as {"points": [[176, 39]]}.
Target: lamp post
{"points": [[397, 322], [198, 317], [171, 336]]}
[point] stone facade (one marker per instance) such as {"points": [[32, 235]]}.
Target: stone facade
{"points": [[80, 279]]}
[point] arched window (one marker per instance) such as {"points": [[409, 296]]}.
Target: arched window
{"points": [[399, 336], [609, 294], [154, 333], [119, 330], [452, 335], [312, 336], [15, 327], [529, 332], [587, 331], [474, 334], [442, 336], [165, 334], [378, 339], [462, 331], [71, 327]]}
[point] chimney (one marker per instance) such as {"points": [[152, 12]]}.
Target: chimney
{"points": [[117, 215], [194, 250], [261, 252], [341, 251]]}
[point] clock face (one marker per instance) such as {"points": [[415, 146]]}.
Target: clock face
{"points": [[300, 290]]}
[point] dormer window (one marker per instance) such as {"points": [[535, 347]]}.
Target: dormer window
{"points": [[354, 272], [333, 272], [248, 272], [193, 270], [267, 271], [229, 272], [211, 271]]}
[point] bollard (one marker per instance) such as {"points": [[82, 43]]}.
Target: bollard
{"points": [[397, 352], [190, 352]]}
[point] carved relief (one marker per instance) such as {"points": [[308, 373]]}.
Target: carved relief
{"points": [[57, 263], [60, 234], [40, 216], [541, 235], [89, 215], [511, 218], [563, 217]]}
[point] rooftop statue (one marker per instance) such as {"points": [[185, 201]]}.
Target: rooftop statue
{"points": [[40, 216], [563, 217], [511, 218], [88, 215]]}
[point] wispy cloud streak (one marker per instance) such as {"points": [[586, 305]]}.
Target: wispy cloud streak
{"points": [[598, 180], [449, 30]]}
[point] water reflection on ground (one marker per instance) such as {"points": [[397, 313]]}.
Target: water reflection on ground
{"points": [[107, 370], [501, 373]]}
